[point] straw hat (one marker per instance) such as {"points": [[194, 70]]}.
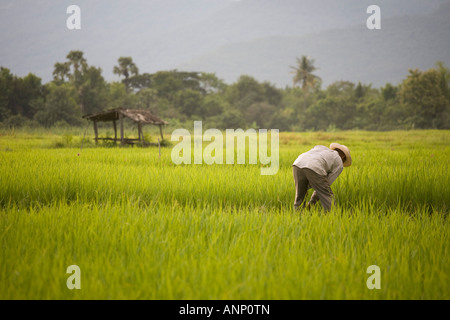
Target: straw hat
{"points": [[345, 150]]}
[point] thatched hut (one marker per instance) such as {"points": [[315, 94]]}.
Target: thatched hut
{"points": [[140, 117]]}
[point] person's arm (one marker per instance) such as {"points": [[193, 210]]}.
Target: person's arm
{"points": [[334, 174], [331, 177]]}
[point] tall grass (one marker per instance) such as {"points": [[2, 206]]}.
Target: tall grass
{"points": [[412, 178], [174, 252], [140, 227]]}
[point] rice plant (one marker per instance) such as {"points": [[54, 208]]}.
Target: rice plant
{"points": [[141, 227]]}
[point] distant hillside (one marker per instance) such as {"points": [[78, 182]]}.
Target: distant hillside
{"points": [[257, 37], [354, 53]]}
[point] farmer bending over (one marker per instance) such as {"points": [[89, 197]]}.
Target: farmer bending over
{"points": [[317, 169]]}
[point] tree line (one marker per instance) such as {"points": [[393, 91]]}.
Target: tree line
{"points": [[420, 101]]}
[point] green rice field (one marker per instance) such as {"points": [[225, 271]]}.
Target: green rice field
{"points": [[140, 227]]}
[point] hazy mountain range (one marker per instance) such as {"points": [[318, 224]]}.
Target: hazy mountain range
{"points": [[261, 38]]}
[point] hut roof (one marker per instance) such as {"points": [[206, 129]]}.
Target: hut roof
{"points": [[138, 116]]}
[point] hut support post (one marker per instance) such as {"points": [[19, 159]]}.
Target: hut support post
{"points": [[121, 128], [95, 131], [160, 131], [115, 131], [139, 131]]}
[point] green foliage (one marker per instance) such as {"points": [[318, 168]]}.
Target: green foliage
{"points": [[214, 104], [140, 227], [189, 102], [118, 96], [421, 101], [19, 96], [146, 99], [60, 105], [303, 74], [425, 99], [126, 68]]}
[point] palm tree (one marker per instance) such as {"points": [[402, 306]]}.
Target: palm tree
{"points": [[125, 68], [76, 59], [61, 71], [304, 75]]}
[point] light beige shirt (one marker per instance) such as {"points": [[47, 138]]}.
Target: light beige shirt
{"points": [[323, 161]]}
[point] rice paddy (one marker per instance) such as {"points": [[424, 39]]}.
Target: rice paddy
{"points": [[140, 227]]}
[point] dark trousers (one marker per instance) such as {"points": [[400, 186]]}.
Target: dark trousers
{"points": [[305, 178]]}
